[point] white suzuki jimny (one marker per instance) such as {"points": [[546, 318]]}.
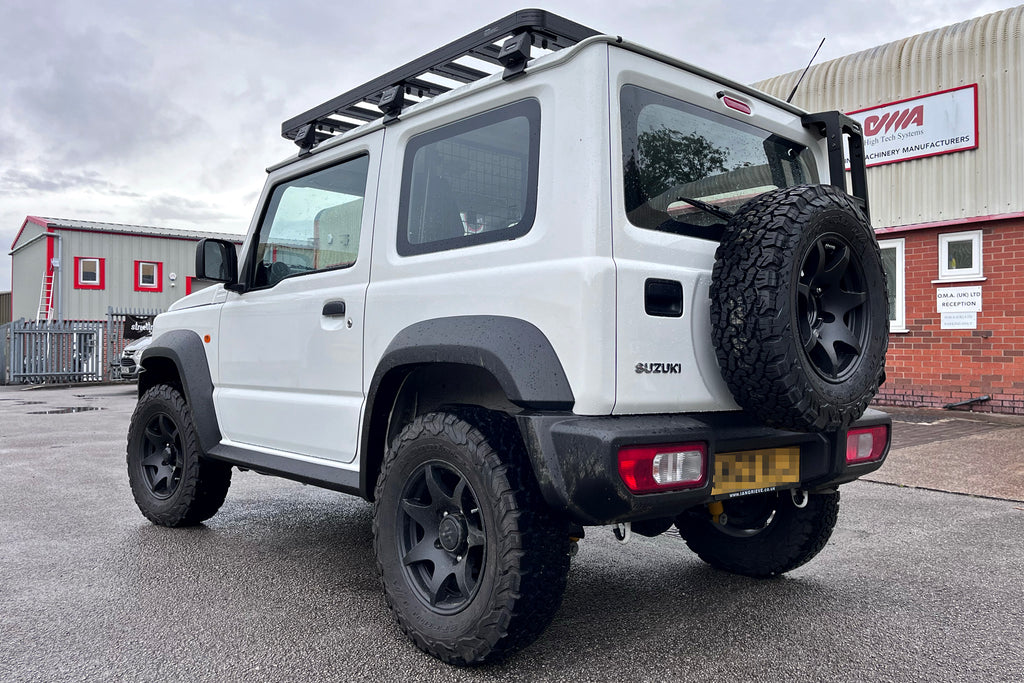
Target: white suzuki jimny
{"points": [[535, 280]]}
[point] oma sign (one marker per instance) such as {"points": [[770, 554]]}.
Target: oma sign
{"points": [[937, 123], [954, 299]]}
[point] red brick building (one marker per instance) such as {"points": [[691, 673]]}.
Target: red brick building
{"points": [[933, 367], [941, 113]]}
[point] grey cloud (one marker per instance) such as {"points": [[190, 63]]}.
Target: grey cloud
{"points": [[166, 208], [18, 182], [82, 88]]}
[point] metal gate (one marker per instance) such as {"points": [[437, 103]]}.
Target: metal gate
{"points": [[50, 352], [116, 339]]}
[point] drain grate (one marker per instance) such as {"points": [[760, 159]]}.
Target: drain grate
{"points": [[907, 431]]}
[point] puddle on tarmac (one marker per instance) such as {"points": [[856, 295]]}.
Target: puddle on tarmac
{"points": [[64, 411]]}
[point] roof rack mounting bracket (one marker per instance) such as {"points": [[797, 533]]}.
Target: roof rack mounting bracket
{"points": [[515, 54], [391, 102], [305, 138]]}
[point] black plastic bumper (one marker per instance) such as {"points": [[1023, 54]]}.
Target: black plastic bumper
{"points": [[575, 458]]}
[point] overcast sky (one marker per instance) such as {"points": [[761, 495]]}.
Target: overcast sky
{"points": [[167, 113]]}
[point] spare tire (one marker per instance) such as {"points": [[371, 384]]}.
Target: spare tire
{"points": [[799, 309]]}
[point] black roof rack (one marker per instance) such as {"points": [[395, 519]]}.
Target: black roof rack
{"points": [[386, 94]]}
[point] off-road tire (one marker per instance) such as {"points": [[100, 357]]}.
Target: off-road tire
{"points": [[172, 483], [515, 556], [799, 309], [791, 538]]}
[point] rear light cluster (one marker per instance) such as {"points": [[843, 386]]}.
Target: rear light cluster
{"points": [[866, 444], [664, 467]]}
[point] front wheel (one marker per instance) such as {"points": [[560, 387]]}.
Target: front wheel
{"points": [[473, 565], [763, 535], [172, 483]]}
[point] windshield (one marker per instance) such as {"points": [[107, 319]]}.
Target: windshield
{"points": [[674, 152]]}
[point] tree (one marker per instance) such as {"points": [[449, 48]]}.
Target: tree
{"points": [[667, 158]]}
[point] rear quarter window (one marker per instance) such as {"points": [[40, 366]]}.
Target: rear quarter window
{"points": [[471, 182]]}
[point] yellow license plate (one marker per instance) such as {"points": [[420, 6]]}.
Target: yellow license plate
{"points": [[747, 470]]}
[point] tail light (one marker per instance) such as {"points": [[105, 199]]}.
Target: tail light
{"points": [[664, 467], [866, 444]]}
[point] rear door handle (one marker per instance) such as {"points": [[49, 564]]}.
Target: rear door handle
{"points": [[334, 309]]}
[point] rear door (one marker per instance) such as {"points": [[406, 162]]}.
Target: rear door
{"points": [[675, 137], [291, 346]]}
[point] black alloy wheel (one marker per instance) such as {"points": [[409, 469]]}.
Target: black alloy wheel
{"points": [[441, 541], [162, 459], [831, 303]]}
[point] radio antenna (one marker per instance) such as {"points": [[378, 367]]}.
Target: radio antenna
{"points": [[801, 79]]}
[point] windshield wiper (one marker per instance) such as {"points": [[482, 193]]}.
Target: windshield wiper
{"points": [[716, 211]]}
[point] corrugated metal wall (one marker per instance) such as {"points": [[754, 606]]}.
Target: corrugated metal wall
{"points": [[28, 266], [121, 251], [987, 181], [5, 308]]}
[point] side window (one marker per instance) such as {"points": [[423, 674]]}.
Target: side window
{"points": [[471, 182], [89, 273], [312, 223], [673, 151], [895, 275], [960, 255], [149, 276]]}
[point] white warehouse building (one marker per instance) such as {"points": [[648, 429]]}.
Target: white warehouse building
{"points": [[77, 270]]}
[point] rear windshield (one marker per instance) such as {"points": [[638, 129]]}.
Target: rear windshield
{"points": [[673, 151]]}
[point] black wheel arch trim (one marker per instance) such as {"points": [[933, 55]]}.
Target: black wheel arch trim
{"points": [[185, 350], [514, 351]]}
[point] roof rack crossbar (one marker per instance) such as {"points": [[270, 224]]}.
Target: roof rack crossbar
{"points": [[547, 30], [458, 72]]}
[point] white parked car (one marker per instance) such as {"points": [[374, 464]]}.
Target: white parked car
{"points": [[129, 362]]}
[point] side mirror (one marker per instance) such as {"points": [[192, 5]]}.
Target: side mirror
{"points": [[216, 260]]}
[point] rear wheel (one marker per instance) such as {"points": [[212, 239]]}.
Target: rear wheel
{"points": [[473, 565], [763, 535]]}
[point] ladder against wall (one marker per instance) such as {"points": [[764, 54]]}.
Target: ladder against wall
{"points": [[45, 311]]}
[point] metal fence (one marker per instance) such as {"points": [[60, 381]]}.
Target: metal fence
{"points": [[5, 334], [55, 351], [116, 338]]}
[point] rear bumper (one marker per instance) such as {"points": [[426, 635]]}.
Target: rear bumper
{"points": [[575, 458]]}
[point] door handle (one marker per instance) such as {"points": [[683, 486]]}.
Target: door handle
{"points": [[334, 309]]}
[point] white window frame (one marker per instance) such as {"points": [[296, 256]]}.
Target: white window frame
{"points": [[947, 274], [156, 275], [898, 323], [81, 272]]}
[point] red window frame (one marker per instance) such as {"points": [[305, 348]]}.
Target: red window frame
{"points": [[158, 286], [101, 282]]}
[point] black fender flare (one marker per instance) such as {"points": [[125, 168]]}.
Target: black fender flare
{"points": [[185, 350], [514, 351]]}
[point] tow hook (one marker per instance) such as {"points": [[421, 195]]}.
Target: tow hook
{"points": [[717, 511], [800, 498], [623, 531]]}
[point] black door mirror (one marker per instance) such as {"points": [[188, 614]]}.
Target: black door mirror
{"points": [[216, 260]]}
